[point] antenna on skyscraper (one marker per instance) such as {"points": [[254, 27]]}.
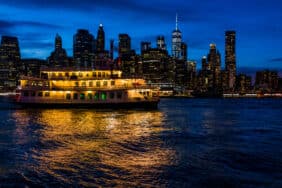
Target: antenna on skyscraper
{"points": [[176, 22]]}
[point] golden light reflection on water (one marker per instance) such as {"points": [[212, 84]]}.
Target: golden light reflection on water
{"points": [[82, 142]]}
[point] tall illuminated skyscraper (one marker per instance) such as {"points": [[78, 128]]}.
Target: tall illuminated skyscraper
{"points": [[230, 57], [176, 41]]}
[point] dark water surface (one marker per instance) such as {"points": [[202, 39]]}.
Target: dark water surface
{"points": [[185, 143]]}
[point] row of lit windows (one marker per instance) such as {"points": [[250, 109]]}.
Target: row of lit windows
{"points": [[97, 96], [80, 74], [97, 84], [80, 96]]}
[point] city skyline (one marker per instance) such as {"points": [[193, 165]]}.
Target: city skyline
{"points": [[36, 24]]}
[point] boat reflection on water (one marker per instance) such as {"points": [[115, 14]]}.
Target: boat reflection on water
{"points": [[90, 148]]}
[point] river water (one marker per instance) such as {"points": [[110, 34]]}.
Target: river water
{"points": [[185, 143]]}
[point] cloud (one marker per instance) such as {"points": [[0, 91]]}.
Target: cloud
{"points": [[8, 27], [276, 60]]}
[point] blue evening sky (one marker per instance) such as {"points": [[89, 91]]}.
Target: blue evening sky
{"points": [[258, 24]]}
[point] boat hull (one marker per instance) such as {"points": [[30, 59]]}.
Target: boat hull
{"points": [[123, 105]]}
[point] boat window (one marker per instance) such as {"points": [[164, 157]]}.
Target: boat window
{"points": [[26, 93], [83, 84], [75, 96], [67, 74], [112, 83], [98, 84], [99, 74], [112, 95], [76, 84], [105, 83], [89, 96], [53, 74], [82, 96], [68, 96], [103, 74], [40, 94], [96, 97], [47, 94], [119, 95], [33, 93], [90, 84], [104, 96], [60, 74], [80, 74], [94, 74]]}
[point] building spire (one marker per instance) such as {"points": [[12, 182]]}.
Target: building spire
{"points": [[176, 22]]}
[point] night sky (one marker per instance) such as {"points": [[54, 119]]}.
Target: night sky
{"points": [[258, 24]]}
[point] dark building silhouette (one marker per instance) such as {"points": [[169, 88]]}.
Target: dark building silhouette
{"points": [[230, 57], [161, 43], [83, 48], [124, 44], [100, 42], [181, 75], [192, 75], [243, 84], [10, 64], [145, 46], [184, 54], [58, 57], [128, 60], [32, 66], [112, 49], [267, 81], [102, 57]]}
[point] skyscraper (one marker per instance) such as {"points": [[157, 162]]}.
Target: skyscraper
{"points": [[10, 64], [83, 48], [214, 61], [58, 57], [124, 44], [100, 45], [161, 43], [230, 58], [176, 41]]}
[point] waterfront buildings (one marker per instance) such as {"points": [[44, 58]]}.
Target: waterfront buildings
{"points": [[154, 63]]}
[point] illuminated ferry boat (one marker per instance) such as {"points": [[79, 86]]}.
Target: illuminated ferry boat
{"points": [[85, 88]]}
